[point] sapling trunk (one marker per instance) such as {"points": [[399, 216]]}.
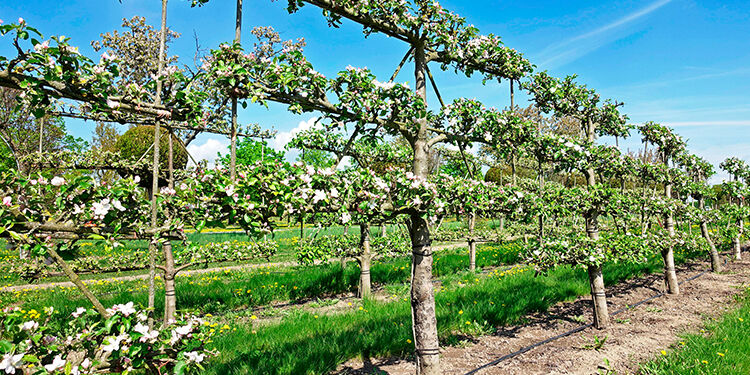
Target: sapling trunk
{"points": [[670, 274], [170, 294], [155, 170], [472, 242], [365, 287], [715, 260], [736, 241], [383, 230]]}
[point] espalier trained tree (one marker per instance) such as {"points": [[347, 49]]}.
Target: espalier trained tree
{"points": [[281, 73], [736, 191], [669, 145], [565, 97], [700, 170]]}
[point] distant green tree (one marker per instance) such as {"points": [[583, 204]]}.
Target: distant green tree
{"points": [[19, 133], [317, 158], [249, 151]]}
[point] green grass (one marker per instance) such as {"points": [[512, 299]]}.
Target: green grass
{"points": [[287, 238], [223, 291], [724, 348], [467, 305]]}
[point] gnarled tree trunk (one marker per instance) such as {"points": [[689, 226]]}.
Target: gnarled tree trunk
{"points": [[170, 294], [424, 321]]}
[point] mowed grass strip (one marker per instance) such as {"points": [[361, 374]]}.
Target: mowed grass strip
{"points": [[722, 348], [467, 305], [224, 291]]}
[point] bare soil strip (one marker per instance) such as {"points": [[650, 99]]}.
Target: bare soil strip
{"points": [[636, 335]]}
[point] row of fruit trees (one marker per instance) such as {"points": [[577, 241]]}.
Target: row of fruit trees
{"points": [[46, 214]]}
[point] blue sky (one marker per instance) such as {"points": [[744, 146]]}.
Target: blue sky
{"points": [[679, 62]]}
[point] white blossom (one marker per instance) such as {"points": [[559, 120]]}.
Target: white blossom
{"points": [[57, 363], [195, 357], [10, 363], [118, 205], [79, 311]]}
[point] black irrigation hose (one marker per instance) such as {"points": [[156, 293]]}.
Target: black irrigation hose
{"points": [[572, 331]]}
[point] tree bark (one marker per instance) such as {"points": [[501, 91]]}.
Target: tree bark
{"points": [[424, 321], [365, 286], [715, 260], [170, 294], [670, 275], [472, 242], [383, 230]]}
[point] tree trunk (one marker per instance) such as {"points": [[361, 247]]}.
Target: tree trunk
{"points": [[424, 321], [472, 242], [365, 287], [736, 242], [73, 277], [598, 297], [233, 129], [170, 294], [715, 260], [384, 230], [155, 170], [670, 275], [596, 279]]}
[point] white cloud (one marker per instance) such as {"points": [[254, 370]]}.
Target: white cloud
{"points": [[571, 49], [208, 150], [282, 138]]}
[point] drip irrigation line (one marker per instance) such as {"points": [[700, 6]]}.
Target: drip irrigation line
{"points": [[572, 331]]}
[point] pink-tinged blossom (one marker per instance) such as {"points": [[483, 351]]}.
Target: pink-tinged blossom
{"points": [[167, 191], [30, 325], [79, 311], [125, 309], [7, 201], [57, 181], [41, 47]]}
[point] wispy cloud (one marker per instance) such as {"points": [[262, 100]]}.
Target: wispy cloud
{"points": [[730, 73], [677, 124], [571, 49]]}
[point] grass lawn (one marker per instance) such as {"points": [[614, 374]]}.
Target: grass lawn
{"points": [[722, 348], [287, 239], [225, 291]]}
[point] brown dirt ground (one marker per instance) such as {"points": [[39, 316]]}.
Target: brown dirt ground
{"points": [[635, 335]]}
